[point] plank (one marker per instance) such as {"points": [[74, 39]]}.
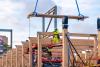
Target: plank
{"points": [[56, 16]]}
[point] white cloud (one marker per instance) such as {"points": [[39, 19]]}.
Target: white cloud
{"points": [[8, 7], [9, 14]]}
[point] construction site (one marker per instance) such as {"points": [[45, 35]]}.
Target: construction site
{"points": [[54, 48]]}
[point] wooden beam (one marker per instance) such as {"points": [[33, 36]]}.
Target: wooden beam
{"points": [[82, 35], [76, 42], [70, 34], [56, 16]]}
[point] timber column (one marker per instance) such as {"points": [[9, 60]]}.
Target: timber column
{"points": [[39, 50], [98, 28], [64, 42]]}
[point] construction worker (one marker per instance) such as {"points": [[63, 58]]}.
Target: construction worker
{"points": [[56, 37]]}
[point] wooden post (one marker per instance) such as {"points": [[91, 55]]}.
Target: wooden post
{"points": [[16, 56], [9, 58], [22, 55], [64, 50], [2, 61], [33, 40], [19, 55], [39, 50], [30, 54], [6, 60], [98, 28], [99, 43], [95, 47], [13, 52], [25, 57], [64, 43]]}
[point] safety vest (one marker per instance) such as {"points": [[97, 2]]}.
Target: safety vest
{"points": [[56, 37]]}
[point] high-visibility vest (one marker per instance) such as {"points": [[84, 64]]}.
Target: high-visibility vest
{"points": [[56, 37]]}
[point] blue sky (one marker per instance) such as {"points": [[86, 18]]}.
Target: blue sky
{"points": [[13, 15]]}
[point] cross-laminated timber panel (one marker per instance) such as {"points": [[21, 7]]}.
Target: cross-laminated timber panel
{"points": [[18, 56], [25, 55]]}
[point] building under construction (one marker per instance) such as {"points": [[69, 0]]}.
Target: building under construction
{"points": [[55, 49]]}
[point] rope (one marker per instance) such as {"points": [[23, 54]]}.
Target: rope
{"points": [[36, 6]]}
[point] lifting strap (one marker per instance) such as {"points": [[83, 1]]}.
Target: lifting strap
{"points": [[36, 6], [79, 13]]}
